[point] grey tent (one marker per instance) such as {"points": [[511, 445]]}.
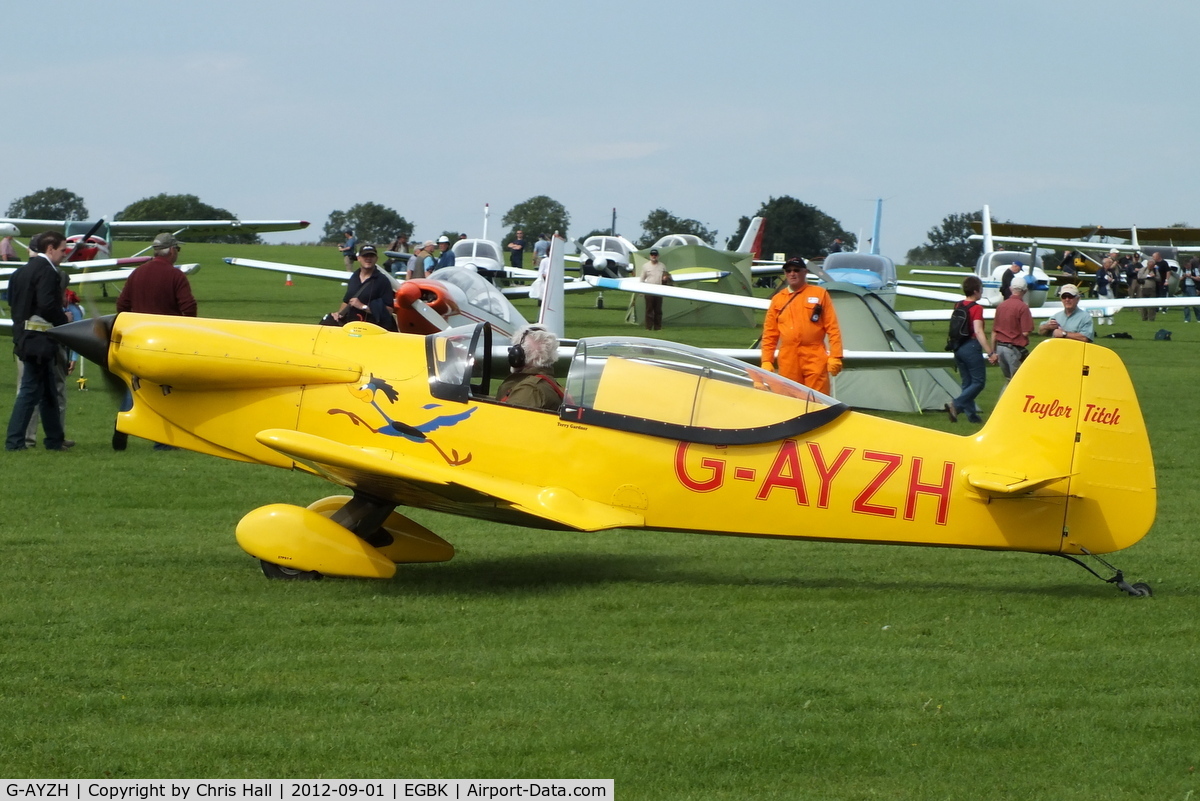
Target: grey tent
{"points": [[867, 323]]}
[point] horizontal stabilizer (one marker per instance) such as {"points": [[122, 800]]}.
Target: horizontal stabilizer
{"points": [[1007, 485]]}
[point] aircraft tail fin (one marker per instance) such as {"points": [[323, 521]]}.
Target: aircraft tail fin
{"points": [[875, 228], [552, 315], [989, 244], [752, 240], [1068, 428]]}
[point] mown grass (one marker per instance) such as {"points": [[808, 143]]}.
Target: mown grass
{"points": [[139, 641]]}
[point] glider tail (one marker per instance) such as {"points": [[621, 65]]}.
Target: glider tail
{"points": [[752, 240], [553, 312], [1069, 426], [875, 228]]}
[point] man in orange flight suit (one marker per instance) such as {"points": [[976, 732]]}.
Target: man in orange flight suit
{"points": [[798, 320]]}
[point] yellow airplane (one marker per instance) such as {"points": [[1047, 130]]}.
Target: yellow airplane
{"points": [[650, 434]]}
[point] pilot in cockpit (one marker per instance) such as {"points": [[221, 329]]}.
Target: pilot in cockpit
{"points": [[532, 357]]}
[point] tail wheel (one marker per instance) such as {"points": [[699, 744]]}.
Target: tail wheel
{"points": [[274, 571]]}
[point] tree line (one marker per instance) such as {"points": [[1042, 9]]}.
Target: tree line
{"points": [[793, 228]]}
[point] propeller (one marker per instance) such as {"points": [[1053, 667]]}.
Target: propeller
{"points": [[91, 338], [91, 232], [409, 296]]}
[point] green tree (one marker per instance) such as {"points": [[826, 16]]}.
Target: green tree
{"points": [[661, 222], [185, 207], [794, 228], [949, 243], [372, 224], [49, 204], [536, 216]]}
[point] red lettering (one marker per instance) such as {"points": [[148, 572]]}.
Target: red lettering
{"points": [[891, 463], [1102, 415], [785, 472], [714, 481], [940, 491], [1046, 409], [826, 472]]}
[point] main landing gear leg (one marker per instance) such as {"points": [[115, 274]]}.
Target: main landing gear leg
{"points": [[1138, 589]]}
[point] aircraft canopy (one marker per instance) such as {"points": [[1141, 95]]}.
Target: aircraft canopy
{"points": [[862, 269], [475, 249], [676, 391], [608, 244], [675, 240], [646, 386], [481, 294]]}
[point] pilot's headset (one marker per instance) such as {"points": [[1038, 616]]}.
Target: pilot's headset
{"points": [[516, 351]]}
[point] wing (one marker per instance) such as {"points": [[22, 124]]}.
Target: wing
{"points": [[523, 291], [293, 269], [908, 290], [1168, 234], [204, 227], [638, 286], [397, 478], [109, 276], [858, 359], [31, 227], [1103, 308]]}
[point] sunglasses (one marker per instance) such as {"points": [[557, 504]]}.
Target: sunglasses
{"points": [[1068, 295]]}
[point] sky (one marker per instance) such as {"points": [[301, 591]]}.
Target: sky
{"points": [[1053, 112]]}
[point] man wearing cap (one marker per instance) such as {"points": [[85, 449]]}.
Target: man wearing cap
{"points": [[35, 294], [798, 321], [369, 294], [1011, 330], [1072, 322], [654, 272], [418, 260], [157, 287], [446, 259], [1012, 272]]}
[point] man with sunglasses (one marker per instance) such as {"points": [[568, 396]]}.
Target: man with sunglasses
{"points": [[798, 321], [1072, 322]]}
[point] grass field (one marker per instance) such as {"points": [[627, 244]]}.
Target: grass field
{"points": [[140, 641]]}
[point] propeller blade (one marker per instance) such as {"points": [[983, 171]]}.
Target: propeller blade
{"points": [[433, 318]]}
